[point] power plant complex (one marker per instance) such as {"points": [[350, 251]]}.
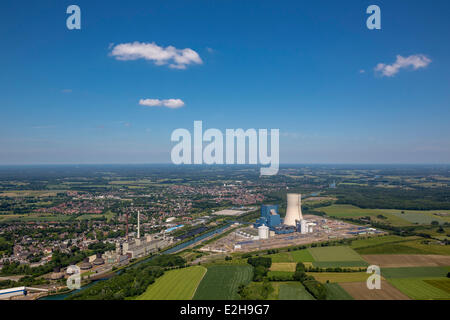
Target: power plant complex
{"points": [[270, 231], [270, 221]]}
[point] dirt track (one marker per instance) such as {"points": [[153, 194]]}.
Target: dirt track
{"points": [[359, 291], [407, 260]]}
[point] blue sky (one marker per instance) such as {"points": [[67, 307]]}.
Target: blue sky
{"points": [[304, 67]]}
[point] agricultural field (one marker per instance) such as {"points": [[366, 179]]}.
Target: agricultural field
{"points": [[291, 256], [281, 257], [373, 241], [31, 193], [420, 217], [406, 247], [394, 217], [293, 291], [359, 291], [11, 217], [338, 277], [89, 216], [433, 232], [261, 291], [280, 273], [177, 284], [340, 264], [419, 289], [415, 272], [109, 215], [336, 292], [283, 266], [302, 256], [334, 253], [221, 282], [430, 247], [442, 284], [407, 260], [35, 217]]}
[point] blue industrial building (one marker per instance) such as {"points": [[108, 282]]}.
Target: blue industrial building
{"points": [[269, 217]]}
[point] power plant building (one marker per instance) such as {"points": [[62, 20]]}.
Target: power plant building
{"points": [[269, 217], [293, 221], [136, 248]]}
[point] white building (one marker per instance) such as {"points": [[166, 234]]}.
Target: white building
{"points": [[263, 232]]}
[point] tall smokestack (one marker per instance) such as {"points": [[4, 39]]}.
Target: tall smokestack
{"points": [[139, 227], [126, 233]]}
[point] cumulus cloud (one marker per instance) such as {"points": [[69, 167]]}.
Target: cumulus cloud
{"points": [[171, 56], [168, 103], [416, 61]]}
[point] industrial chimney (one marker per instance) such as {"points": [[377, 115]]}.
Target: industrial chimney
{"points": [[138, 226], [294, 209]]}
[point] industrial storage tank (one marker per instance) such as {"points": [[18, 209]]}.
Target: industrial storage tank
{"points": [[294, 209], [263, 232]]}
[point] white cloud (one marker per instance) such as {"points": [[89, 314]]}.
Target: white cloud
{"points": [[168, 103], [416, 61], [175, 58]]}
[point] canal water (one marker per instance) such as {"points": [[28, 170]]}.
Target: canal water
{"points": [[177, 248]]}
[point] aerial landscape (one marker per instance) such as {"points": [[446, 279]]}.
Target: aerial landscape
{"points": [[212, 159], [201, 237]]}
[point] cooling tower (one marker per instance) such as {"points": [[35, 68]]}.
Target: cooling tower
{"points": [[294, 209]]}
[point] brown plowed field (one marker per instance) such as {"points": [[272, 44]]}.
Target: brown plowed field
{"points": [[359, 291], [407, 260]]}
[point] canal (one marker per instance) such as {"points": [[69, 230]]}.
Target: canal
{"points": [[174, 249]]}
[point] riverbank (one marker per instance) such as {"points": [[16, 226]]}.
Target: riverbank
{"points": [[169, 250]]}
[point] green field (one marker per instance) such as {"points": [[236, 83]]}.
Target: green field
{"points": [[340, 264], [336, 292], [280, 257], [390, 248], [293, 291], [394, 217], [292, 256], [261, 291], [414, 272], [34, 218], [430, 248], [406, 247], [302, 256], [419, 217], [283, 266], [373, 241], [443, 284], [419, 289], [339, 276], [89, 216], [221, 282], [177, 284], [280, 273], [335, 253], [30, 193]]}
